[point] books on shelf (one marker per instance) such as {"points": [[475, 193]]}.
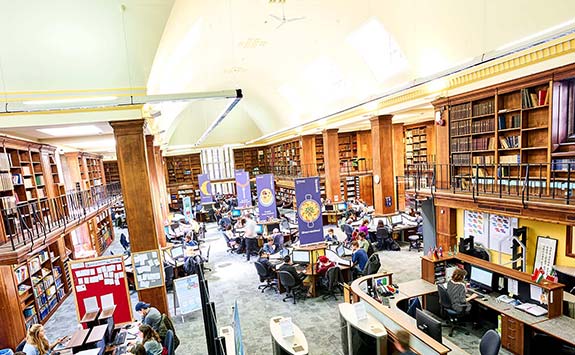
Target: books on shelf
{"points": [[8, 202], [485, 143], [26, 170], [509, 142], [483, 126], [484, 108], [4, 162], [531, 98], [483, 160], [515, 121], [5, 182], [460, 144], [563, 164], [460, 128], [462, 111], [510, 159], [460, 159]]}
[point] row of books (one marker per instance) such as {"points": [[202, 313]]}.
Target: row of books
{"points": [[460, 144], [530, 98], [5, 182], [510, 159], [563, 165], [484, 108], [4, 162], [8, 202], [515, 121], [416, 139], [484, 160], [459, 112], [510, 142], [483, 126], [483, 143], [461, 159], [460, 128]]}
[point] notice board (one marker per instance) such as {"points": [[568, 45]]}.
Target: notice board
{"points": [[148, 269], [99, 282], [187, 294]]}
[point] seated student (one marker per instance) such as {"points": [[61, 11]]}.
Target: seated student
{"points": [[264, 260], [151, 340], [380, 234], [419, 220], [323, 264], [402, 342], [278, 238], [150, 315], [225, 221], [330, 236], [124, 242], [288, 266], [364, 228], [269, 247], [189, 242], [363, 242], [37, 343], [358, 258], [138, 349], [457, 291]]}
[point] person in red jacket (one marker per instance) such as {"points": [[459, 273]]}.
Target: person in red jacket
{"points": [[323, 263]]}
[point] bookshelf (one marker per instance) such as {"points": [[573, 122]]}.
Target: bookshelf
{"points": [[509, 127], [286, 158], [349, 187], [319, 156], [183, 169], [416, 149], [95, 170], [111, 171], [43, 282], [101, 230], [246, 159], [86, 170]]}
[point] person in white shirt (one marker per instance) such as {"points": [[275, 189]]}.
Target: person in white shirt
{"points": [[250, 236]]}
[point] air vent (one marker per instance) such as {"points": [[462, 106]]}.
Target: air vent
{"points": [[252, 43]]}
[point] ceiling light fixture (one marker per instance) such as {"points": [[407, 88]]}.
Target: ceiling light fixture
{"points": [[218, 120], [85, 130], [71, 100]]}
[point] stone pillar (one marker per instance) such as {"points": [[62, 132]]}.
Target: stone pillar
{"points": [[383, 175], [308, 156], [154, 183], [331, 159], [136, 189]]}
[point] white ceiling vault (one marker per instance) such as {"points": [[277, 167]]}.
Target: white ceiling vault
{"points": [[295, 61]]}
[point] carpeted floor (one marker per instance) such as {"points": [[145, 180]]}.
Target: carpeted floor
{"points": [[232, 278]]}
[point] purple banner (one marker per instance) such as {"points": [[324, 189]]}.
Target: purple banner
{"points": [[205, 188], [308, 198], [266, 196], [243, 188]]}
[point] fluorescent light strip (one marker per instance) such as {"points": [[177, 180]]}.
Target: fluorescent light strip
{"points": [[70, 101], [221, 118]]}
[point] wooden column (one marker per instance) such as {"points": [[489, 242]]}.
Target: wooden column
{"points": [[446, 227], [331, 159], [13, 329], [164, 195], [398, 161], [441, 149], [364, 150], [308, 156], [382, 144], [155, 189], [135, 180]]}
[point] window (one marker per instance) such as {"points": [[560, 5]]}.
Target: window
{"points": [[218, 163], [564, 112]]}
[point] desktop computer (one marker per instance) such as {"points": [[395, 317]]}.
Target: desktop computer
{"points": [[328, 208], [342, 206], [178, 252], [481, 278], [236, 213], [260, 229], [428, 324], [300, 257], [396, 219]]}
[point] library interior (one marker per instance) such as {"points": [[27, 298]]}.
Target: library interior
{"points": [[287, 177]]}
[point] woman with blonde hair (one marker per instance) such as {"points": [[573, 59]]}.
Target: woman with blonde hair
{"points": [[36, 342]]}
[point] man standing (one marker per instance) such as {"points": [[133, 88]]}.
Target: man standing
{"points": [[250, 237]]}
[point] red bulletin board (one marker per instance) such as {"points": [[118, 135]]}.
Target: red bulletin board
{"points": [[97, 277]]}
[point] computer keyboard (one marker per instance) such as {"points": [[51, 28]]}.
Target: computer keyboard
{"points": [[480, 294], [121, 349], [120, 338]]}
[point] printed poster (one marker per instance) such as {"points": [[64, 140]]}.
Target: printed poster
{"points": [[308, 198], [205, 188], [187, 203], [244, 193], [266, 196], [476, 225], [500, 231]]}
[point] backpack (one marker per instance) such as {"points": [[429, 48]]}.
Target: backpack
{"points": [[370, 250], [373, 265], [165, 325], [394, 246]]}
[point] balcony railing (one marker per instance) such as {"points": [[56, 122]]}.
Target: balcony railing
{"points": [[347, 167], [29, 223], [532, 181]]}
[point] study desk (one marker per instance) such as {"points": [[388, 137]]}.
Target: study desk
{"points": [[293, 345], [331, 217], [313, 277], [77, 339]]}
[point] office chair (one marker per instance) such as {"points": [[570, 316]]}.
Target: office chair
{"points": [[334, 279], [20, 346], [490, 343], [452, 315], [287, 281], [169, 273], [270, 281], [169, 342], [415, 242], [231, 247]]}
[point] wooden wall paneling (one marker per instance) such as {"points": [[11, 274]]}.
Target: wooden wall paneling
{"points": [[13, 329], [442, 149], [154, 185], [431, 144], [164, 195], [331, 157], [135, 179], [366, 189], [382, 144], [364, 146], [398, 162], [446, 227], [308, 156]]}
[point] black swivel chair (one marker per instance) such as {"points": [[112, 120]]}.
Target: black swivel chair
{"points": [[20, 346], [288, 281], [447, 311], [231, 247], [490, 343], [169, 342], [334, 280], [265, 276]]}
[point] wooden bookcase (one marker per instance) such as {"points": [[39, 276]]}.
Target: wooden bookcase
{"points": [[416, 145], [319, 156], [349, 187], [508, 126], [86, 170], [246, 159], [95, 170], [286, 159], [101, 231], [111, 171], [183, 169]]}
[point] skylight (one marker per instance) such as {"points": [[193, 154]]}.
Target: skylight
{"points": [[378, 49], [70, 131]]}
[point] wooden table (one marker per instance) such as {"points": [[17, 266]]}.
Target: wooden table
{"points": [[77, 339], [97, 334]]}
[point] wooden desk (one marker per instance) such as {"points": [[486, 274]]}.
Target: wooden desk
{"points": [[331, 217], [107, 313], [98, 332], [561, 327], [77, 339]]}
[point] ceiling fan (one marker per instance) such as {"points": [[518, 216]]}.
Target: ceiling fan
{"points": [[283, 20]]}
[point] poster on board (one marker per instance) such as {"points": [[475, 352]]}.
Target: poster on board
{"points": [[187, 294], [148, 269], [500, 231], [476, 225], [545, 254], [266, 197], [308, 198]]}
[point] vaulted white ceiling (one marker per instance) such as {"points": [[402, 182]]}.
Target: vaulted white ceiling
{"points": [[325, 57]]}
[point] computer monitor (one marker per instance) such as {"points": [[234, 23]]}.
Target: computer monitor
{"points": [[300, 257], [178, 252], [428, 324], [342, 206], [328, 207], [236, 213], [340, 250], [396, 219], [260, 229], [481, 277]]}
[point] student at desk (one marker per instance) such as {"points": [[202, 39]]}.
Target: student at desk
{"points": [[269, 247], [457, 292], [265, 261], [150, 315], [151, 340], [358, 258], [37, 343], [288, 266], [189, 242], [330, 236]]}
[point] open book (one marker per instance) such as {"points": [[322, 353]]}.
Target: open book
{"points": [[532, 309]]}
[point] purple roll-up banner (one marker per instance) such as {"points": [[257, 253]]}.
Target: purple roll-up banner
{"points": [[266, 196], [243, 188], [205, 188], [308, 198]]}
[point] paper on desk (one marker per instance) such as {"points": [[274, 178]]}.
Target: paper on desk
{"points": [[513, 287], [535, 293], [107, 301], [360, 311], [286, 327], [90, 304]]}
